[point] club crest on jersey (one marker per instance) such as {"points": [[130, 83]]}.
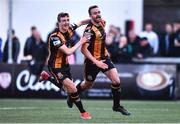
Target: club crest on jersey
{"points": [[56, 41], [89, 77], [60, 75]]}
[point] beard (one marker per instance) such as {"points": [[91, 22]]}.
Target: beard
{"points": [[97, 19]]}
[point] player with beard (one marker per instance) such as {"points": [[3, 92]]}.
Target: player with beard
{"points": [[97, 59]]}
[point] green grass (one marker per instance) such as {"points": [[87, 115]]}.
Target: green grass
{"points": [[56, 111]]}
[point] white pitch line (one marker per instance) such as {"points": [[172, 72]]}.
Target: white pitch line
{"points": [[133, 109], [17, 108], [92, 108]]}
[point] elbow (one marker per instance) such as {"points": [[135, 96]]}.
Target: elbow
{"points": [[68, 52], [82, 50]]}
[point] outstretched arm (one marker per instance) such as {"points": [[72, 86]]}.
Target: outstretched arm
{"points": [[83, 22], [71, 50]]}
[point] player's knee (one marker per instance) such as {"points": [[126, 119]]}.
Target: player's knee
{"points": [[116, 81], [72, 89]]}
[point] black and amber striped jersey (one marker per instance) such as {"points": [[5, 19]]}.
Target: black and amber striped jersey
{"points": [[97, 45], [57, 58]]}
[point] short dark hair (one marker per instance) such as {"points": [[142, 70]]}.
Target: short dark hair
{"points": [[62, 14], [33, 28], [13, 31], [92, 7]]}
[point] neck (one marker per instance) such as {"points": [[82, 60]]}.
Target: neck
{"points": [[95, 23]]}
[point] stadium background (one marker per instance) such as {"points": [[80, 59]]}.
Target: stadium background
{"points": [[42, 13]]}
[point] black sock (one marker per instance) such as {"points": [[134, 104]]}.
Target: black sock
{"points": [[79, 88], [116, 95], [52, 80], [77, 101]]}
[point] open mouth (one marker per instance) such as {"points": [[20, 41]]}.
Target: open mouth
{"points": [[98, 18]]}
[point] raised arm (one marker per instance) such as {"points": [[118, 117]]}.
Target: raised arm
{"points": [[83, 22]]}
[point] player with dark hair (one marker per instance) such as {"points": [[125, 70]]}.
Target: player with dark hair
{"points": [[97, 59], [58, 46]]}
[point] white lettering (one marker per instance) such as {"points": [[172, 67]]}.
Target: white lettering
{"points": [[25, 74], [23, 83]]}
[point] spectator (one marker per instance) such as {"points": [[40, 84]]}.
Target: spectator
{"points": [[145, 50], [176, 39], [31, 40], [1, 55], [117, 34], [116, 31], [166, 41], [15, 48], [123, 51], [151, 36], [111, 45], [37, 49], [134, 42]]}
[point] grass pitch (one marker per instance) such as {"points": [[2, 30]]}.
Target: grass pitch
{"points": [[56, 111]]}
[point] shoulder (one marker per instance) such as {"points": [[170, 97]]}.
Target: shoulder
{"points": [[54, 35], [55, 40], [89, 28], [153, 34], [29, 39]]}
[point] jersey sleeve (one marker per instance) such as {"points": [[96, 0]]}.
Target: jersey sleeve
{"points": [[89, 31], [73, 26], [56, 42]]}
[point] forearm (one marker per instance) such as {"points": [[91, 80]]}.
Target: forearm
{"points": [[74, 48], [83, 22], [88, 55]]}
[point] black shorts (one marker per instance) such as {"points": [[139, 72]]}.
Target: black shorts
{"points": [[91, 70], [60, 73]]}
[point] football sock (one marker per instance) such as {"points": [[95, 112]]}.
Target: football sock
{"points": [[77, 101], [116, 94]]}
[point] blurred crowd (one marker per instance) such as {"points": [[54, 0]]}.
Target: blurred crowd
{"points": [[148, 43], [123, 48]]}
